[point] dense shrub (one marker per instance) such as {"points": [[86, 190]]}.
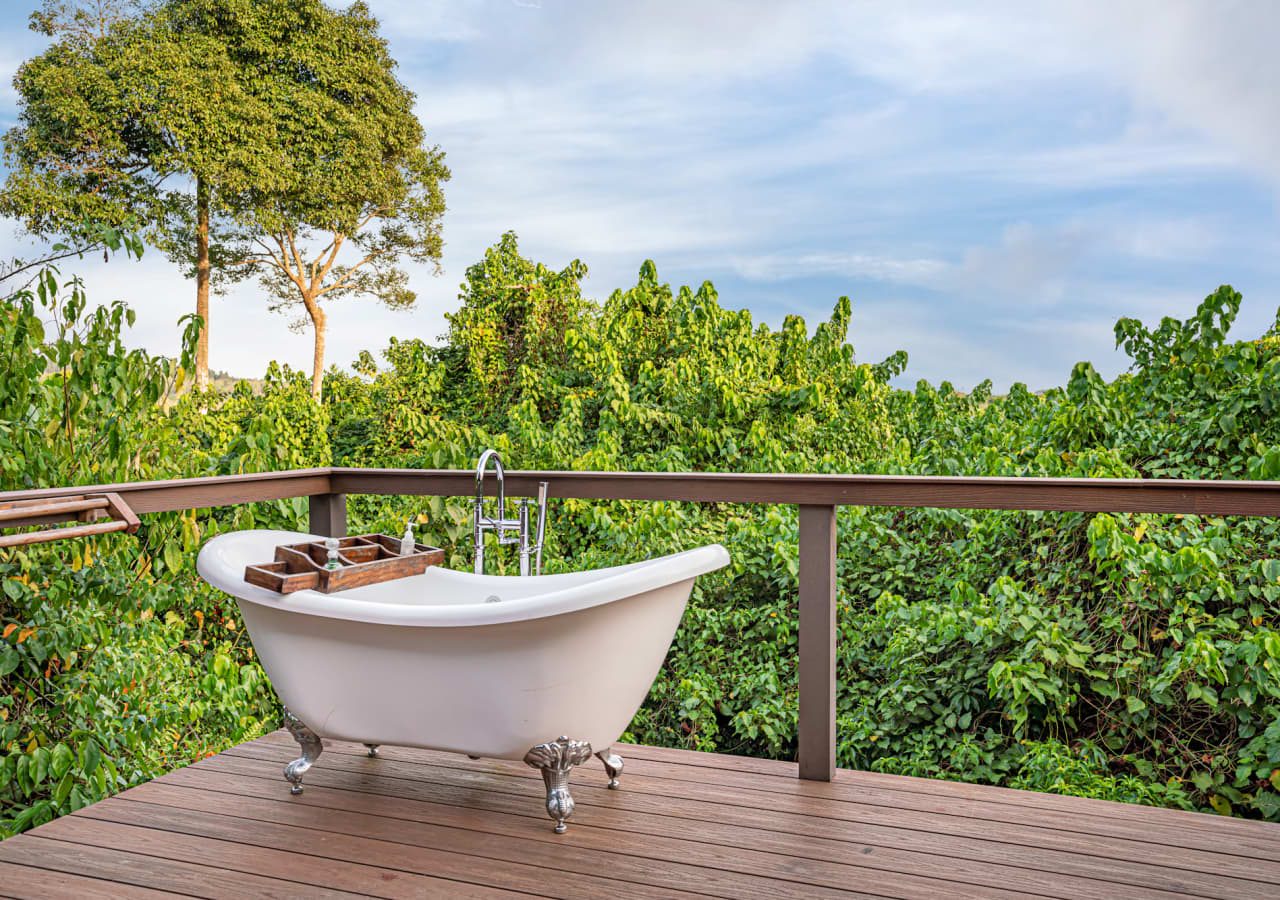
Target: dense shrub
{"points": [[117, 662], [1130, 657]]}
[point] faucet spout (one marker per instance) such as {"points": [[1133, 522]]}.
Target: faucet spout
{"points": [[482, 467], [509, 531], [481, 522]]}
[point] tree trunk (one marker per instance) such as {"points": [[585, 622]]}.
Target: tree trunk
{"points": [[318, 324], [202, 283]]}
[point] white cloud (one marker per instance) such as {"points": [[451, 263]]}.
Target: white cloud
{"points": [[457, 21], [1169, 240], [1005, 160], [780, 267], [1029, 265], [1211, 67], [1207, 67]]}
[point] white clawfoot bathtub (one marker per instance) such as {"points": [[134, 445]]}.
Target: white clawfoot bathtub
{"points": [[490, 666]]}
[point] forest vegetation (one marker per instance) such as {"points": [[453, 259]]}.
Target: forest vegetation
{"points": [[1129, 657]]}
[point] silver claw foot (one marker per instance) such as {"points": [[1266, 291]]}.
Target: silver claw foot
{"points": [[311, 746], [612, 766], [555, 759], [373, 750]]}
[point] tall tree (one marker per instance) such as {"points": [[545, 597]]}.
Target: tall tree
{"points": [[253, 137], [360, 190], [127, 117]]}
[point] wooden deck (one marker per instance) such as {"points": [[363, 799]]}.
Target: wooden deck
{"points": [[415, 823]]}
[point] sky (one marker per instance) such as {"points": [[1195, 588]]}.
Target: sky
{"points": [[992, 184]]}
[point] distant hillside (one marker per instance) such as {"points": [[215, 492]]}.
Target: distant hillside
{"points": [[223, 381]]}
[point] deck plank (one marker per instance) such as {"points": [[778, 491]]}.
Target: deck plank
{"points": [[673, 862], [709, 801], [311, 858], [423, 823], [682, 764], [972, 860], [832, 800], [439, 849], [132, 868], [663, 840], [29, 883]]}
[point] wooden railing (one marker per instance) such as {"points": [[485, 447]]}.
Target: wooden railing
{"points": [[817, 497]]}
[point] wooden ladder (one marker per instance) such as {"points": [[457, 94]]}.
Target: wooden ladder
{"points": [[84, 508]]}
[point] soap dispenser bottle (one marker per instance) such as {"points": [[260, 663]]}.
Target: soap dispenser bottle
{"points": [[407, 543]]}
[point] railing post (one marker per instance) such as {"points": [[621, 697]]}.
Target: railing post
{"points": [[328, 514], [817, 729]]}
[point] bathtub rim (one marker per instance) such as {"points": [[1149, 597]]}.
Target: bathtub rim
{"points": [[222, 560]]}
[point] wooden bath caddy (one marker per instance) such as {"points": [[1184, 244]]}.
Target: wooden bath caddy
{"points": [[365, 558]]}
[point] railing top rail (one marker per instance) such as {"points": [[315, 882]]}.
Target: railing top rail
{"points": [[939, 491], [1250, 498], [196, 493]]}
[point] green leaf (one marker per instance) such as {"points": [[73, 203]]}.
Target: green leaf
{"points": [[1105, 688], [92, 756], [39, 765], [1267, 803], [172, 556], [60, 760], [63, 789]]}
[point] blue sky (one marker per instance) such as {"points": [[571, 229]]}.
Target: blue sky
{"points": [[992, 186]]}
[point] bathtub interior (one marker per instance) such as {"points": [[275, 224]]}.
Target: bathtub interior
{"points": [[445, 597]]}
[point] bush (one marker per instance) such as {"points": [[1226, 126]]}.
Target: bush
{"points": [[1128, 657]]}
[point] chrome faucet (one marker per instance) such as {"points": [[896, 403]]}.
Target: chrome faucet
{"points": [[509, 531]]}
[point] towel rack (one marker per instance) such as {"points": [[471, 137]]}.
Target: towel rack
{"points": [[85, 508]]}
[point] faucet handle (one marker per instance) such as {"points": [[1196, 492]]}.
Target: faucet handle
{"points": [[540, 531]]}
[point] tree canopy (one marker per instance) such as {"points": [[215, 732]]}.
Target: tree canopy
{"points": [[359, 191], [127, 117], [235, 131]]}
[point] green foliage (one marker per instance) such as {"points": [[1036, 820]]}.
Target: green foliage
{"points": [[117, 663], [113, 677], [243, 431], [119, 120], [70, 393], [513, 313], [236, 131], [1127, 657]]}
